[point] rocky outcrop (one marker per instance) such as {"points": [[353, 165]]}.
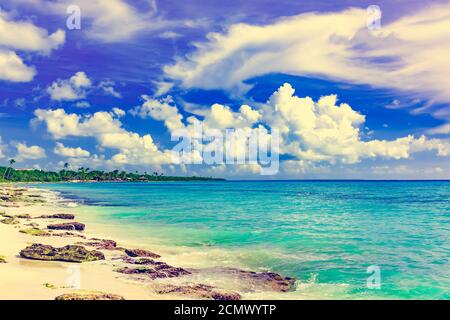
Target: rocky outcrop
{"points": [[155, 270], [68, 235], [200, 291], [250, 280], [139, 261], [70, 253], [89, 296], [2, 259], [102, 244], [9, 220], [67, 226], [9, 205], [141, 253], [275, 281], [23, 216], [32, 224], [64, 216]]}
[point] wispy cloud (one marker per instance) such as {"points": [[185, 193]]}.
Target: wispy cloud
{"points": [[409, 55], [112, 21], [78, 87]]}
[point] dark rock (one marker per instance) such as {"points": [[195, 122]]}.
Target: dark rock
{"points": [[67, 226], [156, 271], [23, 216], [141, 253], [70, 253], [257, 280], [12, 205], [143, 261], [89, 296], [102, 244], [64, 216], [32, 224], [140, 261], [201, 291], [4, 215], [68, 235]]}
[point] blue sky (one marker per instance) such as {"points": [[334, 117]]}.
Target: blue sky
{"points": [[111, 81]]}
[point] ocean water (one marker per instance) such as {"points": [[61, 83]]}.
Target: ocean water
{"points": [[324, 233]]}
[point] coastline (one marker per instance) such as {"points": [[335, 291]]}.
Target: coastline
{"points": [[118, 273]]}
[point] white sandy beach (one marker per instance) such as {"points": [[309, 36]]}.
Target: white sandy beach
{"points": [[26, 279]]}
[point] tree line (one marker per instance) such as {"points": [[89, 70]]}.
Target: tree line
{"points": [[9, 174]]}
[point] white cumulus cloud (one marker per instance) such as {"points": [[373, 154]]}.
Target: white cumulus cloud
{"points": [[107, 129], [313, 134], [12, 68], [25, 152], [23, 36], [2, 148], [70, 89], [310, 131], [68, 152]]}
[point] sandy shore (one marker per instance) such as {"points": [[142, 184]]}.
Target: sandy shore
{"points": [[119, 273]]}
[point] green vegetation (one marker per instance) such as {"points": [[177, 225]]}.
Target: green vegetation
{"points": [[35, 232], [9, 174], [49, 285], [2, 259]]}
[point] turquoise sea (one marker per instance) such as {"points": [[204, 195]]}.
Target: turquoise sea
{"points": [[325, 233]]}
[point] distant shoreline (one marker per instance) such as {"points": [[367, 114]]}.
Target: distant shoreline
{"points": [[220, 180], [9, 174]]}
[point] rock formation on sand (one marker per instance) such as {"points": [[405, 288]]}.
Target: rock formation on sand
{"points": [[155, 270], [8, 219], [200, 291], [251, 281], [63, 216], [89, 296], [67, 226], [70, 253], [141, 253], [102, 244], [140, 261]]}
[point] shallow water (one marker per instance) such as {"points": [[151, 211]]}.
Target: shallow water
{"points": [[325, 233]]}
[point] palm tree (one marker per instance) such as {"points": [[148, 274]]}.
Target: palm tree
{"points": [[8, 170], [63, 173], [81, 173]]}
